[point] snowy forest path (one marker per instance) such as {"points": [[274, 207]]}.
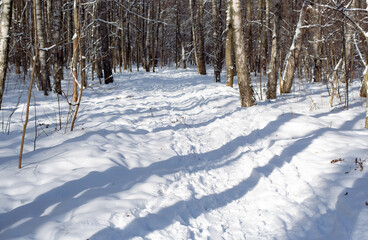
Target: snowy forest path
{"points": [[171, 155], [228, 176]]}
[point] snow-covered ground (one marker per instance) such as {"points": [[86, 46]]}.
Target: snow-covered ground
{"points": [[171, 155]]}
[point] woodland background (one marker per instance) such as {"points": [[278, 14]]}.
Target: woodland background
{"points": [[323, 41]]}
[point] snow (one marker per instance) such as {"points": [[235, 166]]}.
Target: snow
{"points": [[171, 155]]}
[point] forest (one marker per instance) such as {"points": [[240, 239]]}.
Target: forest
{"points": [[183, 119], [324, 41]]}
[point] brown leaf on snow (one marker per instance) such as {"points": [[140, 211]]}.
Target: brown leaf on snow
{"points": [[337, 160]]}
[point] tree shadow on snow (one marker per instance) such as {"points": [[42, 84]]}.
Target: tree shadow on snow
{"points": [[25, 219], [183, 211], [346, 221], [73, 194]]}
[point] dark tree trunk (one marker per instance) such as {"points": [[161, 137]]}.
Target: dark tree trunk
{"points": [[105, 43]]}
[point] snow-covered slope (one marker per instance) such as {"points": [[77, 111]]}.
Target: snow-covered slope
{"points": [[171, 155]]}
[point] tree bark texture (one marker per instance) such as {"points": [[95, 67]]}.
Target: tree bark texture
{"points": [[273, 74], [105, 43], [293, 55], [5, 18], [216, 39], [201, 59], [241, 61], [76, 39], [194, 32], [229, 48], [44, 71], [58, 50]]}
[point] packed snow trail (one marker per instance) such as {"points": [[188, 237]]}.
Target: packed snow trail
{"points": [[170, 155]]}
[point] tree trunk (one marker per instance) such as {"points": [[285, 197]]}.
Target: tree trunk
{"points": [[105, 39], [216, 39], [194, 33], [250, 37], [366, 87], [148, 38], [241, 61], [44, 73], [76, 38], [267, 32], [162, 55], [177, 34], [128, 51], [293, 55], [82, 44], [317, 41], [6, 16], [123, 40], [349, 32], [272, 76], [201, 60], [229, 48], [58, 50]]}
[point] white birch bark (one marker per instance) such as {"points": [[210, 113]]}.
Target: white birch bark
{"points": [[194, 32], [44, 72], [293, 55], [6, 15], [272, 75], [216, 39], [241, 60], [229, 48]]}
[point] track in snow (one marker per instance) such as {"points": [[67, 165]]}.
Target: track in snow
{"points": [[170, 155]]}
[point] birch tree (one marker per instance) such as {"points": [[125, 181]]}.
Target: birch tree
{"points": [[198, 35], [194, 32], [317, 42], [76, 39], [5, 18], [273, 73], [229, 48], [216, 39], [245, 88], [44, 71], [293, 55]]}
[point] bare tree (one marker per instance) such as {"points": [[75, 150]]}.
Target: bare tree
{"points": [[216, 39], [273, 74], [76, 39], [198, 35], [194, 32], [105, 40], [202, 63], [317, 43], [229, 48], [58, 50], [293, 55], [241, 61], [6, 16], [44, 70]]}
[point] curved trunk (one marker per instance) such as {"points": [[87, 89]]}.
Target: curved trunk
{"points": [[293, 55]]}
